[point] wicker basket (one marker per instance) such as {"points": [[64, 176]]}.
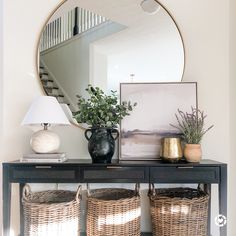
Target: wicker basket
{"points": [[179, 212], [54, 212], [113, 212]]}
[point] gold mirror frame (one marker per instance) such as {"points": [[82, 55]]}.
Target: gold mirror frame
{"points": [[57, 7]]}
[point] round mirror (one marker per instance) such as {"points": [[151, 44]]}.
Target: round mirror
{"points": [[105, 43]]}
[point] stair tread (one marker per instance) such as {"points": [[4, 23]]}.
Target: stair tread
{"points": [[43, 73], [68, 104], [46, 80], [50, 87], [56, 95]]}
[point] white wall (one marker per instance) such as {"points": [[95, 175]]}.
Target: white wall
{"points": [[232, 174], [1, 60], [206, 37], [1, 90], [205, 29]]}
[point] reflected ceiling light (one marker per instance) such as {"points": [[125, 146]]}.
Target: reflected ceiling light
{"points": [[150, 6]]}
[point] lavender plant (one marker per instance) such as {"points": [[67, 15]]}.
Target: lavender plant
{"points": [[191, 125]]}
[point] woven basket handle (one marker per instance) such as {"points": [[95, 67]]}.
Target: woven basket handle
{"points": [[203, 188], [199, 188], [78, 195], [26, 192], [151, 191], [88, 190], [137, 188]]}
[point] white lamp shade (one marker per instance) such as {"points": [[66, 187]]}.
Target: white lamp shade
{"points": [[45, 110]]}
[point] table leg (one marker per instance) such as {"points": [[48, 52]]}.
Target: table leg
{"points": [[21, 211], [6, 201], [223, 197], [207, 188]]}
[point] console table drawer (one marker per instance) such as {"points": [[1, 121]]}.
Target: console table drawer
{"points": [[45, 174], [181, 174], [115, 174]]}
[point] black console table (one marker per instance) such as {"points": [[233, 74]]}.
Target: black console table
{"points": [[206, 172]]}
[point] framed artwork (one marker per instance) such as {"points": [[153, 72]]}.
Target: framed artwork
{"points": [[149, 122]]}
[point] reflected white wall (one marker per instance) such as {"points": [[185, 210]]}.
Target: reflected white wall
{"points": [[143, 52], [71, 64]]}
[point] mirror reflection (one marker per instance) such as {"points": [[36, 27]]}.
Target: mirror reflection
{"points": [[107, 42]]}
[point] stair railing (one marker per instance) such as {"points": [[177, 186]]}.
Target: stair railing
{"points": [[74, 22]]}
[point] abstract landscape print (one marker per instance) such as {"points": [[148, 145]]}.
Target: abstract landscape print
{"points": [[143, 130]]}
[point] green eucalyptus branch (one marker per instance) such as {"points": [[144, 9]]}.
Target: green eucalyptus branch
{"points": [[191, 125], [101, 110]]}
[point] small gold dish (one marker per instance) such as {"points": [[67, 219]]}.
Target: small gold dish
{"points": [[171, 150]]}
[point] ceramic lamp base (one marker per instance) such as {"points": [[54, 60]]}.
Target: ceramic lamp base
{"points": [[45, 141]]}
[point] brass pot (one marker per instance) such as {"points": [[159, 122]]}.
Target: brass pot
{"points": [[171, 150]]}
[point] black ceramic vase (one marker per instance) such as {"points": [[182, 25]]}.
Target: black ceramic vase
{"points": [[101, 143]]}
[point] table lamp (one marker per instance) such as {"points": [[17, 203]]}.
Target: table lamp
{"points": [[45, 111]]}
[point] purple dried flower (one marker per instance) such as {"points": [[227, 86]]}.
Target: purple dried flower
{"points": [[191, 125]]}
